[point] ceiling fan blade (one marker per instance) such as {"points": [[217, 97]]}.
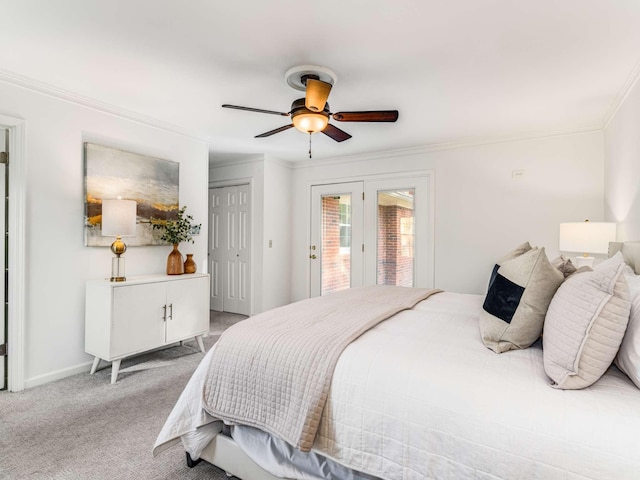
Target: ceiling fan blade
{"points": [[317, 94], [335, 133], [368, 116], [272, 132], [249, 109]]}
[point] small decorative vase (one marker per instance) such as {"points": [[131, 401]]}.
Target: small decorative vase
{"points": [[174, 262], [189, 264]]}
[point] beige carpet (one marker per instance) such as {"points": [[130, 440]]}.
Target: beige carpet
{"points": [[82, 427]]}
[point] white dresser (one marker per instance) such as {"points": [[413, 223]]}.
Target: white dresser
{"points": [[127, 318]]}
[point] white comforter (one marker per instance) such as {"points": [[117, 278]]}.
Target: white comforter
{"points": [[420, 397]]}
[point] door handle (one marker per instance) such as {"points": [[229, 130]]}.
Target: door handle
{"points": [[312, 257], [164, 313], [171, 311]]}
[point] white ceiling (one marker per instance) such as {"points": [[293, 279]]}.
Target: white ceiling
{"points": [[458, 70]]}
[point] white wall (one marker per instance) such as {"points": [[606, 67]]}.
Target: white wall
{"points": [[248, 170], [481, 211], [271, 221], [57, 262], [622, 167], [277, 229]]}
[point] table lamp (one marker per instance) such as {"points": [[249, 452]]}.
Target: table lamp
{"points": [[118, 220], [586, 237]]}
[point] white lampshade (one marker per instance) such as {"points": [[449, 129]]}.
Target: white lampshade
{"points": [[118, 218], [587, 237]]}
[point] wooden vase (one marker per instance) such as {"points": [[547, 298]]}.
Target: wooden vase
{"points": [[175, 265], [190, 264]]}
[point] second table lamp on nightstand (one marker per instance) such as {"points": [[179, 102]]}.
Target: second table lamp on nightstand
{"points": [[588, 238], [118, 220]]}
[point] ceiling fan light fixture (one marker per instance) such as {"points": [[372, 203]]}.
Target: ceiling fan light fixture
{"points": [[310, 122]]}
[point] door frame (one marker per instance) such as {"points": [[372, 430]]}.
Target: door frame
{"points": [[16, 293], [423, 278], [242, 307], [256, 263], [357, 268], [429, 276]]}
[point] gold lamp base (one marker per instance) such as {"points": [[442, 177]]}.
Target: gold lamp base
{"points": [[117, 263]]}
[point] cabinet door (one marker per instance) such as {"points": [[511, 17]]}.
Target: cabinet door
{"points": [[188, 305], [137, 323]]}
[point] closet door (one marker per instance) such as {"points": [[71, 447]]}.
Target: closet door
{"points": [[229, 249]]}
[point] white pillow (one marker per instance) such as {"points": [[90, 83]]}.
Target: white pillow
{"points": [[521, 286], [585, 324], [628, 358]]}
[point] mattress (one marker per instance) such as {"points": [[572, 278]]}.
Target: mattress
{"points": [[420, 397]]}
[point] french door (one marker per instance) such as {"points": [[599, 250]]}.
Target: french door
{"points": [[374, 232], [337, 243], [229, 249]]}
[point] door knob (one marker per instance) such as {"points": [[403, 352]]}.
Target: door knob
{"points": [[312, 257]]}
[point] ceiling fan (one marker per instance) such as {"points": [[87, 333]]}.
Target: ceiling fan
{"points": [[311, 114]]}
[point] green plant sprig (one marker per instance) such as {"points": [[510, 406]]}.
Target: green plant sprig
{"points": [[178, 230]]}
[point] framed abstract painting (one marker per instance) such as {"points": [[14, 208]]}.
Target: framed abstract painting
{"points": [[111, 173]]}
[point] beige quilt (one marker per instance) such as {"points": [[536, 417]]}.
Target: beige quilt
{"points": [[273, 370]]}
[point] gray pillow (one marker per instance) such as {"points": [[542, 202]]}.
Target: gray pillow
{"points": [[565, 265], [520, 289]]}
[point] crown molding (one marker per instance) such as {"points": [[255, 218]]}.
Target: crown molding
{"points": [[626, 89], [70, 97], [253, 158], [423, 149], [67, 96]]}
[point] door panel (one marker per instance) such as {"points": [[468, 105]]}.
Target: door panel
{"points": [[336, 246], [230, 249], [138, 318], [398, 232], [395, 237], [187, 313]]}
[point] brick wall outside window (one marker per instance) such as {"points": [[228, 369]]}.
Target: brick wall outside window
{"points": [[395, 260], [336, 266]]}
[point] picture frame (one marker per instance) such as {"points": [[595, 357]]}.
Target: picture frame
{"points": [[112, 173]]}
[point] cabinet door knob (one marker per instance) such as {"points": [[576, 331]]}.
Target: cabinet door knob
{"points": [[171, 311], [164, 313]]}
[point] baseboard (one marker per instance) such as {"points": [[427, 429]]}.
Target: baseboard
{"points": [[58, 375], [86, 367]]}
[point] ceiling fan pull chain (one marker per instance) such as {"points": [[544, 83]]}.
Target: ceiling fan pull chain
{"points": [[309, 144]]}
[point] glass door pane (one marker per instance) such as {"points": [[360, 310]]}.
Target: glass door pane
{"points": [[336, 251], [336, 243], [396, 235]]}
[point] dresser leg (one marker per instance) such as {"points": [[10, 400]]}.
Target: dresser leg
{"points": [[115, 366], [96, 364], [200, 343]]}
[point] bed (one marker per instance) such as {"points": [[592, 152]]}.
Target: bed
{"points": [[419, 396]]}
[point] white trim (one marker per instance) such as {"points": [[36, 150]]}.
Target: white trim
{"points": [[431, 236], [17, 246], [58, 375], [234, 182], [254, 158], [424, 149], [622, 96], [67, 96]]}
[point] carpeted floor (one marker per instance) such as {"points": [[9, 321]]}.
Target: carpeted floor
{"points": [[82, 427]]}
